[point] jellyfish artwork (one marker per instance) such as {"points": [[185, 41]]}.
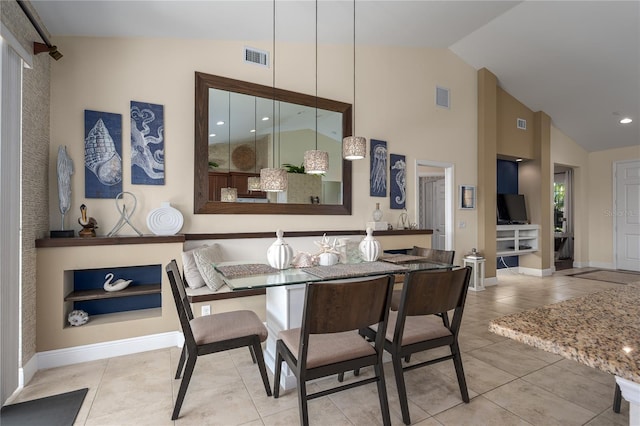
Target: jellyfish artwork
{"points": [[379, 170], [64, 171]]}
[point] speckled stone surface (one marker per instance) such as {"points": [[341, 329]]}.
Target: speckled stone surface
{"points": [[601, 330]]}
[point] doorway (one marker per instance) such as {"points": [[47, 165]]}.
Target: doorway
{"points": [[434, 202], [626, 209], [563, 217]]}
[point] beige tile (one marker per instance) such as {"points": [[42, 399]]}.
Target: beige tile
{"points": [[580, 390], [588, 372], [218, 407], [538, 406], [139, 390], [322, 411], [609, 418], [480, 376], [150, 414], [152, 362], [479, 411], [508, 358]]}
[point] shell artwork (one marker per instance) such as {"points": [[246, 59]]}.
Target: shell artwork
{"points": [[100, 155]]}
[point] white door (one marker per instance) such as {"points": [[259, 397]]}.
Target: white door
{"points": [[439, 230], [627, 215]]}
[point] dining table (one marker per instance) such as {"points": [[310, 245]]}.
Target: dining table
{"points": [[285, 289], [601, 330]]}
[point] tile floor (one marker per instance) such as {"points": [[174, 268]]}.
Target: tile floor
{"points": [[509, 383]]}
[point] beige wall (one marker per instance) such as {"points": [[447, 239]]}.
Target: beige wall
{"points": [[35, 158], [514, 142], [600, 190], [566, 152], [395, 102]]}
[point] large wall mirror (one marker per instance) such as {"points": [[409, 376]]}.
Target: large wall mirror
{"points": [[241, 127]]}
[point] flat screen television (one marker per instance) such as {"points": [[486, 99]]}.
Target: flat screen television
{"points": [[512, 209]]}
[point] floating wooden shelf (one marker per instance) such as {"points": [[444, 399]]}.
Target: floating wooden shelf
{"points": [[98, 293]]}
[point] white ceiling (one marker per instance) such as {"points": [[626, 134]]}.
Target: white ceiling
{"points": [[579, 61]]}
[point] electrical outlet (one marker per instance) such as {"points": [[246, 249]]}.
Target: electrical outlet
{"points": [[205, 310]]}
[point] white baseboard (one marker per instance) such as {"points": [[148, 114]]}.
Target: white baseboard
{"points": [[535, 272], [488, 282], [77, 354], [27, 371], [602, 265]]}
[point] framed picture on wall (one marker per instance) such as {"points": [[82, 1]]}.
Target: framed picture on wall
{"points": [[467, 197]]}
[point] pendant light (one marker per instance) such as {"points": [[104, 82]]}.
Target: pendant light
{"points": [[354, 147], [273, 179], [316, 162]]}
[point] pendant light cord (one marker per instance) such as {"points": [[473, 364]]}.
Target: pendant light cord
{"points": [[316, 75], [273, 103], [353, 128]]}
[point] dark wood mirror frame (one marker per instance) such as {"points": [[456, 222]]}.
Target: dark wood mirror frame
{"points": [[202, 204]]}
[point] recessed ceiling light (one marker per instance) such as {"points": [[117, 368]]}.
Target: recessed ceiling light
{"points": [[626, 120], [212, 135], [265, 118], [220, 123], [252, 131], [518, 160]]}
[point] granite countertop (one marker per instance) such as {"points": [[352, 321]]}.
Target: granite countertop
{"points": [[601, 330]]}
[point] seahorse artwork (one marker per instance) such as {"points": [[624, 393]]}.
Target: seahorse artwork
{"points": [[147, 143], [102, 154], [64, 172], [398, 181], [378, 169]]}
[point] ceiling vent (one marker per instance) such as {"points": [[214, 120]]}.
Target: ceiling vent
{"points": [[256, 56], [442, 97], [521, 123]]}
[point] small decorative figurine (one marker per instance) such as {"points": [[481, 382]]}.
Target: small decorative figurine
{"points": [[77, 318], [89, 224], [117, 285], [329, 252]]}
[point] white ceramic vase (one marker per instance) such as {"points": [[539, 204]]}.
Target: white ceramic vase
{"points": [[327, 259], [279, 254], [369, 247]]}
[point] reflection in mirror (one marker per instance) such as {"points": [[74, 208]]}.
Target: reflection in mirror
{"points": [[243, 127]]}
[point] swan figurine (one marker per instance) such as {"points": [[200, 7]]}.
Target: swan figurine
{"points": [[118, 285]]}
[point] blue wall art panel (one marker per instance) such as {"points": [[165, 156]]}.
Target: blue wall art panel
{"points": [[102, 154], [147, 144], [398, 183], [378, 168]]}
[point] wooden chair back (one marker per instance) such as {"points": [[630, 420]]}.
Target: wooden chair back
{"points": [[185, 314], [434, 292], [442, 256]]}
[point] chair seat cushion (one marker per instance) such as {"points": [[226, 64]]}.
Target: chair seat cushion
{"points": [[227, 325], [417, 328], [330, 348]]}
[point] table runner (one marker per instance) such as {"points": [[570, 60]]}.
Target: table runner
{"points": [[354, 270]]}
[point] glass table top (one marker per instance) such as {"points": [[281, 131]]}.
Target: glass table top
{"points": [[269, 277]]}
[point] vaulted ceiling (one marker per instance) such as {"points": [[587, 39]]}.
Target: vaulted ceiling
{"points": [[579, 61]]}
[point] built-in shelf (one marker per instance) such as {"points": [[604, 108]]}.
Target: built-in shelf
{"points": [[516, 240], [96, 294], [119, 317]]}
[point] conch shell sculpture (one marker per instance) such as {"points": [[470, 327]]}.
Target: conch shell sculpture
{"points": [[100, 155]]}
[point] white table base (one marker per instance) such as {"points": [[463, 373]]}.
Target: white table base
{"points": [[284, 311], [631, 392]]}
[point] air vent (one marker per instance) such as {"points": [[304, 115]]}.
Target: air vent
{"points": [[442, 97], [521, 123], [256, 56]]}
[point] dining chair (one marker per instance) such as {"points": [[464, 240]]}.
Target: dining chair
{"points": [[328, 341], [213, 333], [414, 328], [434, 255]]}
